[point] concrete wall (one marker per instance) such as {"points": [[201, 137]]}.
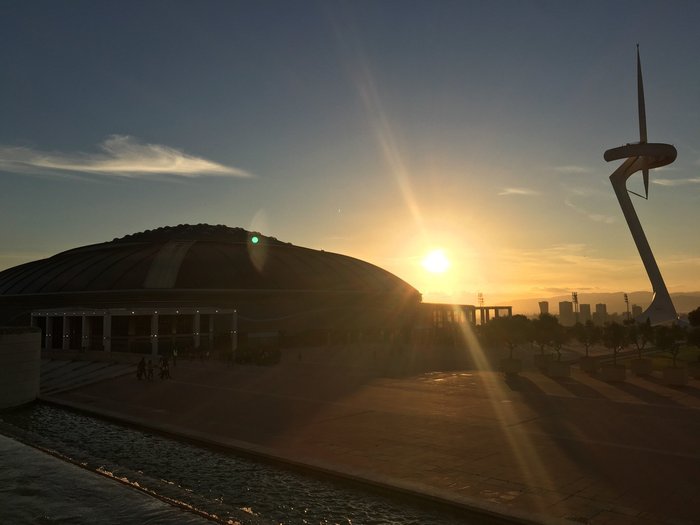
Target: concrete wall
{"points": [[20, 359]]}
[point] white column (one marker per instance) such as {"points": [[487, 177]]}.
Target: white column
{"points": [[154, 334], [234, 333], [173, 331], [107, 332], [66, 333], [195, 328], [85, 339], [48, 343]]}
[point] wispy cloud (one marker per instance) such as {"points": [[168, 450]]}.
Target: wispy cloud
{"points": [[572, 169], [676, 182], [568, 263], [553, 290], [579, 191], [595, 217], [518, 191], [120, 156]]}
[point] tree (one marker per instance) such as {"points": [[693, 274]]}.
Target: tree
{"points": [[558, 336], [614, 337], [511, 331], [666, 339], [694, 317], [640, 334], [587, 334], [546, 331], [693, 336]]}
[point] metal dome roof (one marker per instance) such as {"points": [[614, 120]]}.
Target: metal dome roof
{"points": [[200, 257]]}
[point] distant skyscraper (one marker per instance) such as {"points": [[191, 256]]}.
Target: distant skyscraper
{"points": [[584, 313], [601, 314], [544, 307], [566, 313], [636, 311]]}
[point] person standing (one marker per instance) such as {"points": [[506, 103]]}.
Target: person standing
{"points": [[141, 369]]}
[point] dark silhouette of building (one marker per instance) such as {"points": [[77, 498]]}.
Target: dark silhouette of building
{"points": [[600, 316], [567, 317], [584, 313], [202, 286]]}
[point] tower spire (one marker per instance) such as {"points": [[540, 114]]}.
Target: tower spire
{"points": [[642, 119], [640, 102]]}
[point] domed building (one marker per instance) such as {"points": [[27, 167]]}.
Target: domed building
{"points": [[204, 287]]}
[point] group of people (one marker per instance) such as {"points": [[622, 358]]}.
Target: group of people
{"points": [[144, 370]]}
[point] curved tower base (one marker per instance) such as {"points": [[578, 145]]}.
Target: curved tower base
{"points": [[660, 311]]}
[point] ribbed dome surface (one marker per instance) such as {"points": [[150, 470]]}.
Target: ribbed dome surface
{"points": [[200, 257]]}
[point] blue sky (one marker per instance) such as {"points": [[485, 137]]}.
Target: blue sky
{"points": [[382, 130]]}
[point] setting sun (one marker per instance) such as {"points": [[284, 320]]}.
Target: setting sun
{"points": [[436, 262]]}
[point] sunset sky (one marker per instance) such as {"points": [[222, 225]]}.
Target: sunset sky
{"points": [[383, 130]]}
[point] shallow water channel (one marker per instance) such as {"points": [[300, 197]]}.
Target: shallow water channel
{"points": [[220, 483]]}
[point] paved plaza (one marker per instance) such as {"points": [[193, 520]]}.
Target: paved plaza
{"points": [[534, 448]]}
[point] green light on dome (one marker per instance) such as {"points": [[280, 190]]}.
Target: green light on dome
{"points": [[255, 239]]}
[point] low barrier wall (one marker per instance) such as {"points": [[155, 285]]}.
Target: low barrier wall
{"points": [[20, 361]]}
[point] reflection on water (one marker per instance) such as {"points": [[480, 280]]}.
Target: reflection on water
{"points": [[231, 487]]}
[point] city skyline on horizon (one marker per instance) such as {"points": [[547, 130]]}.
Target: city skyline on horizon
{"points": [[461, 149], [685, 302]]}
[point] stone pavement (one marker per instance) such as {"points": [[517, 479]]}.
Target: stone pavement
{"points": [[58, 375], [534, 448]]}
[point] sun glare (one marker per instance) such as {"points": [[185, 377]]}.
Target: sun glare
{"points": [[436, 262]]}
